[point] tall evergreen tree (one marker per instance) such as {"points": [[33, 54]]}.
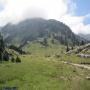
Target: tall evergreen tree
{"points": [[45, 42], [67, 49], [2, 48]]}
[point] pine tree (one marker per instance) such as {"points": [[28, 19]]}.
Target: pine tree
{"points": [[18, 60], [2, 48], [82, 42], [45, 42], [67, 49]]}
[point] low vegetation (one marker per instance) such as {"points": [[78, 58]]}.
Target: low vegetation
{"points": [[45, 60], [41, 73]]}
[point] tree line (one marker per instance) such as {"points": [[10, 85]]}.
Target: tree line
{"points": [[4, 54]]}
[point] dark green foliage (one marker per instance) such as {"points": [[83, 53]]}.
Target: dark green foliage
{"points": [[82, 43], [72, 48], [6, 56], [2, 48], [67, 49], [18, 60], [44, 42], [52, 41], [17, 49], [13, 59]]}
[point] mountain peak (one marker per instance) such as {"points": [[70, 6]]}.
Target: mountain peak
{"points": [[32, 29]]}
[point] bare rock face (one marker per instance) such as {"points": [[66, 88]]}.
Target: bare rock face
{"points": [[88, 78], [79, 50], [83, 55]]}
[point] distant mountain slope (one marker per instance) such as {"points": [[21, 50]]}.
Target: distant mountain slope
{"points": [[87, 36], [81, 49], [33, 29]]}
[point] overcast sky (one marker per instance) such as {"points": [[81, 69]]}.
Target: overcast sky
{"points": [[74, 13]]}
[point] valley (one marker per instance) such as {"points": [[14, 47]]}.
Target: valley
{"points": [[45, 69], [55, 59]]}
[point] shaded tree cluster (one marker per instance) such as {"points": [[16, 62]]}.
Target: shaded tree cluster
{"points": [[16, 60], [4, 56], [44, 42], [17, 49]]}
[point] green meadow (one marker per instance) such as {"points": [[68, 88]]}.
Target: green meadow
{"points": [[43, 69]]}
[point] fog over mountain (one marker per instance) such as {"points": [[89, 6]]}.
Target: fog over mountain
{"points": [[69, 12], [33, 29]]}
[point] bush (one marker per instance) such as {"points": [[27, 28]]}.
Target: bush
{"points": [[13, 59], [6, 56], [67, 49], [18, 60]]}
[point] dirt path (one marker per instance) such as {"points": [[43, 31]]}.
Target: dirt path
{"points": [[78, 65]]}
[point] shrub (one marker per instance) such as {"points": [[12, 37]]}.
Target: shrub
{"points": [[13, 59], [6, 56], [18, 60], [67, 49]]}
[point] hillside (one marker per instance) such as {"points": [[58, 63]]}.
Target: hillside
{"points": [[87, 36], [44, 69], [34, 29]]}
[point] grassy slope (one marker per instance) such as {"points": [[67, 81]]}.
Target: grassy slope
{"points": [[40, 71], [53, 50]]}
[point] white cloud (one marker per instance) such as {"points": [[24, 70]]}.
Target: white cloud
{"points": [[63, 10], [73, 21], [76, 23], [16, 10]]}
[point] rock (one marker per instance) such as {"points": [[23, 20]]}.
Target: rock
{"points": [[88, 78], [83, 55]]}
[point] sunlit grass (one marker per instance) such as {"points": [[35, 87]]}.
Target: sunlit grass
{"points": [[43, 70]]}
